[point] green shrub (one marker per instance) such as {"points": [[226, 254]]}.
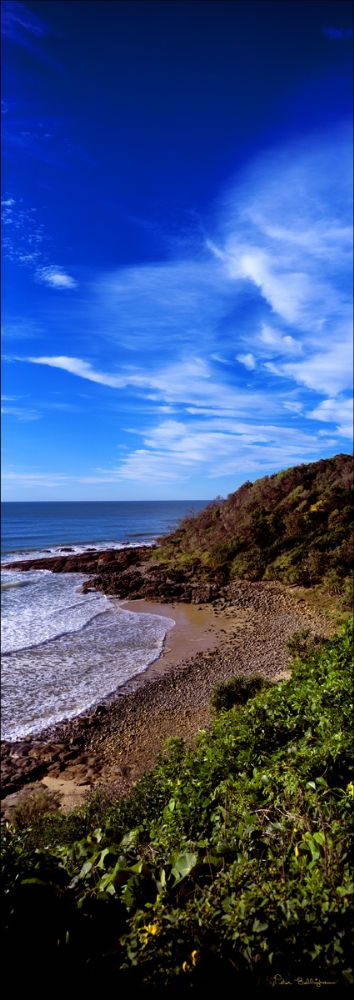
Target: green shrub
{"points": [[237, 691], [293, 526], [333, 582], [32, 807], [347, 597], [228, 863], [304, 644], [248, 565]]}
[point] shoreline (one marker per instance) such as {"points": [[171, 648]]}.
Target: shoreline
{"points": [[118, 739], [197, 628], [190, 633]]}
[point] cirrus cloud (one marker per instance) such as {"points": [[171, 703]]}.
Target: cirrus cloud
{"points": [[55, 277]]}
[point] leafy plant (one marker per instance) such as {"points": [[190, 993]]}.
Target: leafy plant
{"points": [[302, 643], [294, 526], [227, 863], [237, 691]]}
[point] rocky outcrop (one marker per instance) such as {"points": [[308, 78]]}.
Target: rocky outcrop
{"points": [[157, 583], [91, 561], [133, 573]]}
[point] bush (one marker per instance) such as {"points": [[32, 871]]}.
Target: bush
{"points": [[227, 863], [291, 527], [333, 582], [32, 807], [304, 644], [347, 597], [97, 802], [237, 691], [315, 565]]}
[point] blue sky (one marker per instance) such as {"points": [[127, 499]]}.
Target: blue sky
{"points": [[176, 244]]}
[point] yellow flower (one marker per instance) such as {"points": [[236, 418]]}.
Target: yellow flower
{"points": [[295, 829], [151, 928], [185, 967], [195, 955]]}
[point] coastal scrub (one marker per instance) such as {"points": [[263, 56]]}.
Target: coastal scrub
{"points": [[229, 862]]}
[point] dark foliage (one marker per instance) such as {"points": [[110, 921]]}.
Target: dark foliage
{"points": [[237, 691], [295, 526]]}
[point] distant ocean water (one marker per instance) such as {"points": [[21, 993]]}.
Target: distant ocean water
{"points": [[63, 650]]}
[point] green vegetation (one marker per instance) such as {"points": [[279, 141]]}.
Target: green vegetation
{"points": [[229, 863], [237, 691], [295, 527]]}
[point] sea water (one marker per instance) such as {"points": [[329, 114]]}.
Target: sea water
{"points": [[63, 650]]}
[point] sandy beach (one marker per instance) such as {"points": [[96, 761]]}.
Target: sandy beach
{"points": [[120, 738], [197, 628]]}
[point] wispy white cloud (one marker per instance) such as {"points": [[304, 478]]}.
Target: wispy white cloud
{"points": [[23, 235], [286, 291], [287, 231], [175, 450], [30, 479], [336, 411], [22, 413], [21, 329], [294, 407], [24, 27], [220, 359], [275, 342], [18, 22], [247, 360], [25, 243], [55, 277], [83, 369], [328, 371], [170, 304], [272, 290], [284, 239], [187, 382]]}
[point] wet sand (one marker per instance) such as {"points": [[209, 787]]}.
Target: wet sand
{"points": [[197, 628]]}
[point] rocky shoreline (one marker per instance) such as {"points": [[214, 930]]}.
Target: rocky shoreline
{"points": [[117, 740], [133, 573]]}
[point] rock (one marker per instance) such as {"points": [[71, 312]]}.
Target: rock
{"points": [[100, 710], [107, 557]]}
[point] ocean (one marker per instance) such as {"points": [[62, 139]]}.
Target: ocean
{"points": [[62, 650]]}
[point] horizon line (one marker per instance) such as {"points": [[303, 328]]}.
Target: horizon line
{"points": [[167, 500]]}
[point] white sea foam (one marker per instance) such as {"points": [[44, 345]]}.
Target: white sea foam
{"points": [[39, 605], [64, 650], [73, 550]]}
